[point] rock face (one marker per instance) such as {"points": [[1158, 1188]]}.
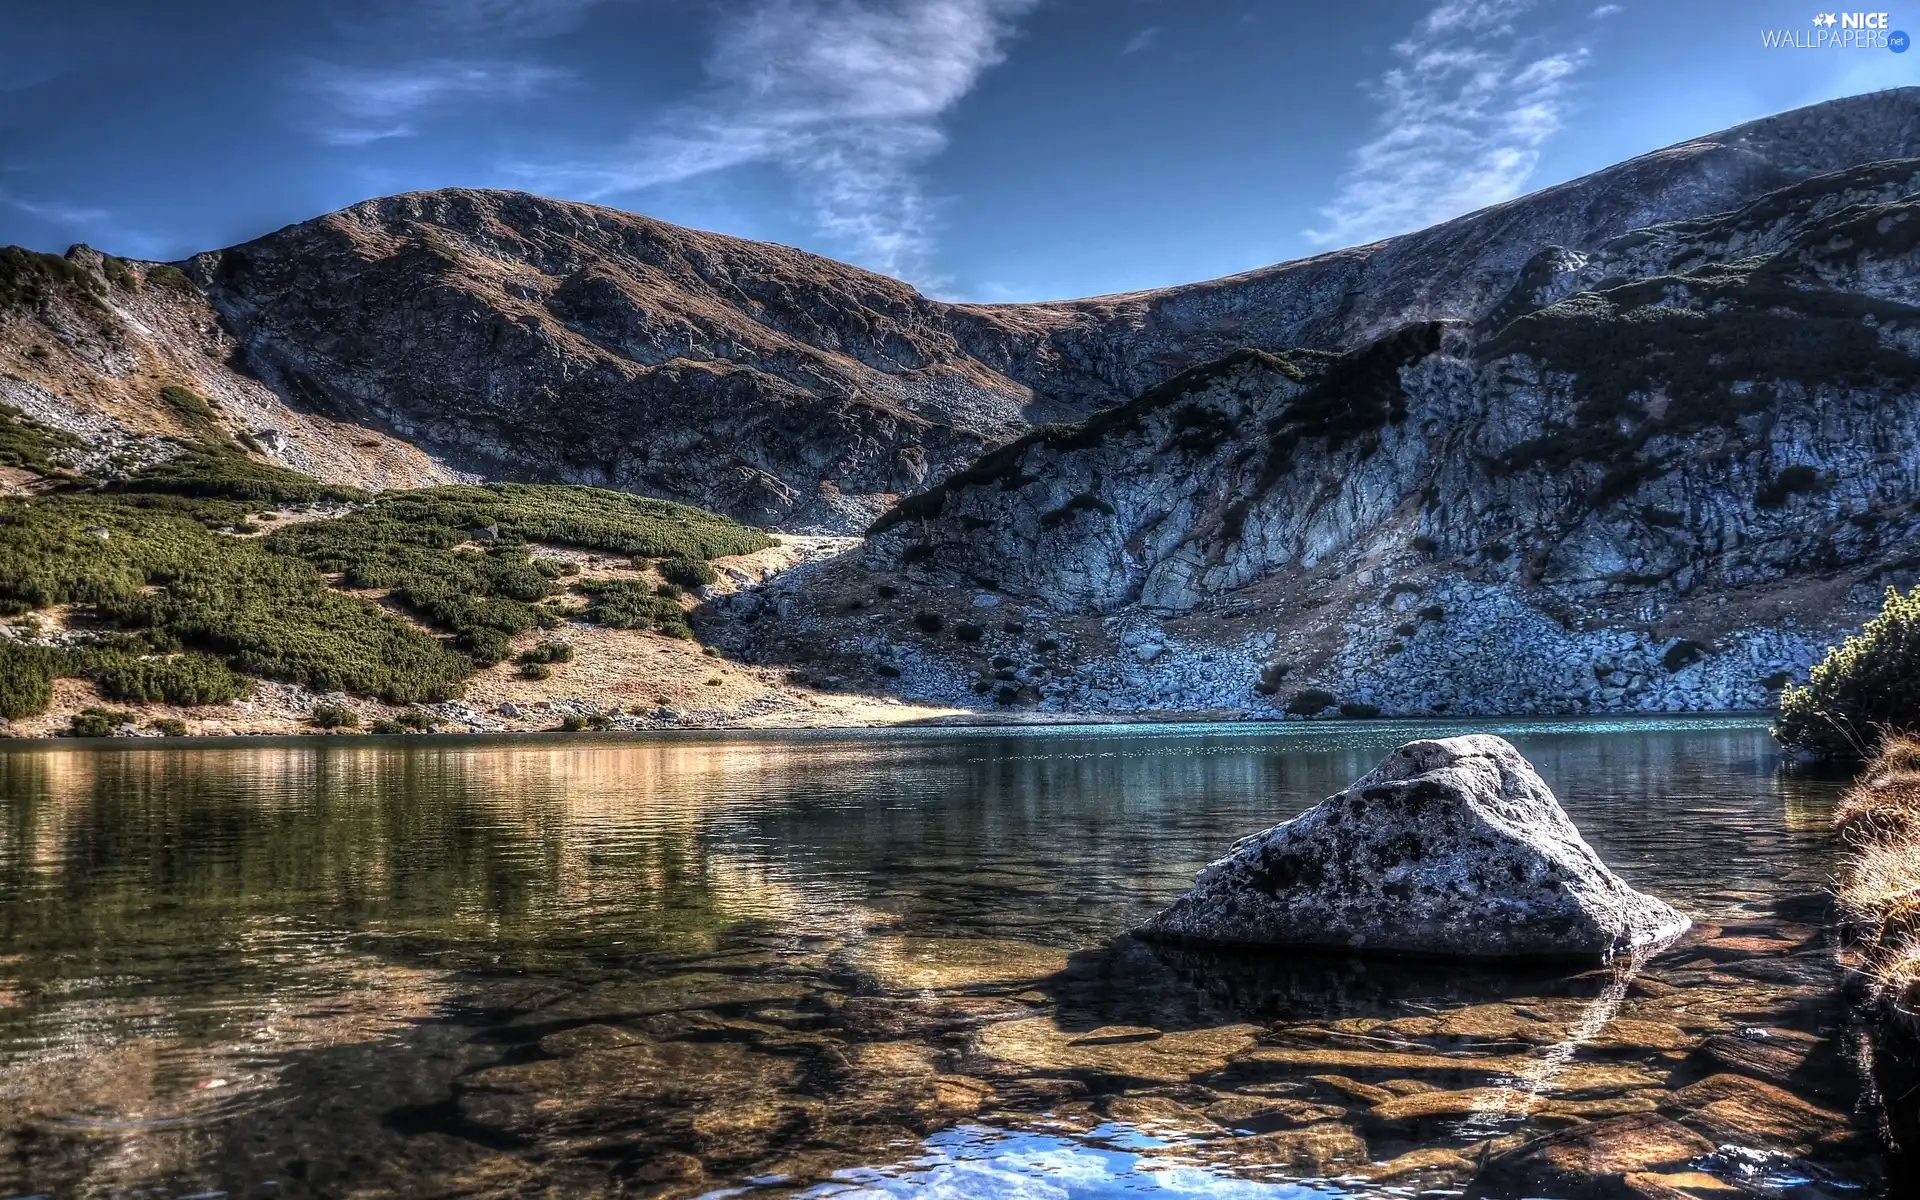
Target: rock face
{"points": [[91, 345], [1617, 476], [1453, 847]]}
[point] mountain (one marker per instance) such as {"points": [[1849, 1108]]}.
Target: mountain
{"points": [[1658, 474], [1644, 440], [126, 357], [517, 337]]}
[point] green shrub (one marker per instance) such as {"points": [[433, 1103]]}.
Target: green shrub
{"points": [[1683, 653], [1359, 711], [386, 726], [334, 716], [172, 278], [169, 726], [413, 718], [223, 473], [98, 722], [548, 652], [26, 681], [630, 604], [186, 679], [193, 409], [1867, 686], [25, 442], [687, 572], [1405, 629], [1311, 701], [30, 277], [1794, 481], [578, 723], [536, 670]]}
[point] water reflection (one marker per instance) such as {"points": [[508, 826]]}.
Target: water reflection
{"points": [[200, 944]]}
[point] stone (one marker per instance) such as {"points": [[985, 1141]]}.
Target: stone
{"points": [[1785, 1058], [1263, 1113], [1679, 1185], [1121, 1051], [938, 964], [1454, 847], [1733, 1108], [1417, 1162], [1316, 1147], [1585, 1162]]}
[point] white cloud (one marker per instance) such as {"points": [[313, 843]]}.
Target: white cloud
{"points": [[99, 225], [369, 104], [845, 95], [1605, 11], [1467, 105], [1140, 41], [55, 211]]}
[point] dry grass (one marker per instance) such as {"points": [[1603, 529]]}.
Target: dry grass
{"points": [[1880, 885]]}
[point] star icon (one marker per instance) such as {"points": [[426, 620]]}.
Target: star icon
{"points": [[1826, 19]]}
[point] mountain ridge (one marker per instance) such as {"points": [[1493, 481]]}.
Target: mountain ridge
{"points": [[516, 337]]}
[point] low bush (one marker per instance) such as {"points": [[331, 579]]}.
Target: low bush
{"points": [[687, 572], [1359, 711], [630, 604], [193, 409], [1311, 701], [1866, 686], [1682, 654], [548, 652], [169, 726], [40, 448], [536, 670], [929, 622], [186, 679], [580, 723], [98, 722], [334, 716], [26, 681], [223, 473]]}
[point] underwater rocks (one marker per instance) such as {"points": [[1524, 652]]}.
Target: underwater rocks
{"points": [[1453, 847]]}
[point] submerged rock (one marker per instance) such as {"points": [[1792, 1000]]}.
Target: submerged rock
{"points": [[1453, 847]]}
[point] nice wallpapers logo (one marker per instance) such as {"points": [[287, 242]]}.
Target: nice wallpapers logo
{"points": [[1840, 31]]}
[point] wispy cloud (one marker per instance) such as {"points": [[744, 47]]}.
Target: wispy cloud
{"points": [[1467, 105], [56, 211], [846, 96], [1605, 11], [368, 104], [85, 222], [1140, 41]]}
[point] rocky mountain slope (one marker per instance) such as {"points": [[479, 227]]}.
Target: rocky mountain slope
{"points": [[518, 337], [126, 357], [1655, 475]]}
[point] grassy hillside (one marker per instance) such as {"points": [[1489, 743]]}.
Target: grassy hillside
{"points": [[175, 598]]}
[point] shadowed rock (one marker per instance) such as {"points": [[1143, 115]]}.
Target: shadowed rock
{"points": [[1453, 847]]}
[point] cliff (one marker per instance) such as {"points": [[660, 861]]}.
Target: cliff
{"points": [[1656, 475]]}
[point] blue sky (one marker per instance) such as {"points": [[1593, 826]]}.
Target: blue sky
{"points": [[983, 149]]}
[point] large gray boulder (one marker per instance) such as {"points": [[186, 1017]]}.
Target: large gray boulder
{"points": [[1453, 847]]}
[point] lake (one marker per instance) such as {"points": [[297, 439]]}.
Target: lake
{"points": [[869, 963]]}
